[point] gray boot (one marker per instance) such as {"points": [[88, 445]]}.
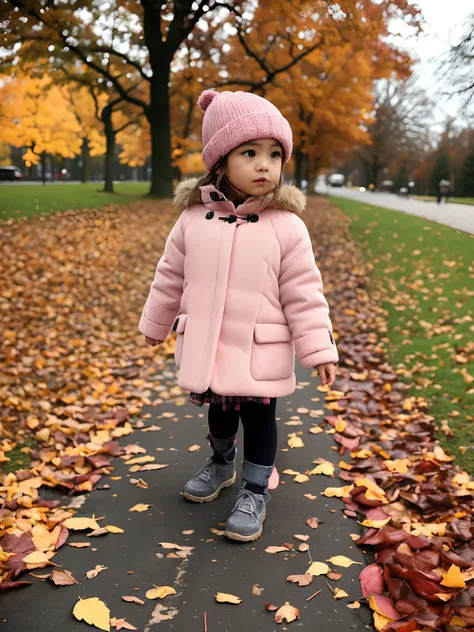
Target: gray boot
{"points": [[213, 477], [246, 520]]}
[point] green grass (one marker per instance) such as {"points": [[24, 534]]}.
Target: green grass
{"points": [[432, 198], [23, 200], [427, 271], [19, 460]]}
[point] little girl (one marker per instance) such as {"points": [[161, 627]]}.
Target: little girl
{"points": [[239, 285]]}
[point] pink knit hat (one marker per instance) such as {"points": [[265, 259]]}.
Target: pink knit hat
{"points": [[233, 118]]}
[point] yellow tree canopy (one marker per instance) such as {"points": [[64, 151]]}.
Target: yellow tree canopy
{"points": [[36, 114]]}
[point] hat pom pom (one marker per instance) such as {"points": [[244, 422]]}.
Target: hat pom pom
{"points": [[205, 99]]}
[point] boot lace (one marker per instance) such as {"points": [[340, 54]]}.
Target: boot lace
{"points": [[247, 503]]}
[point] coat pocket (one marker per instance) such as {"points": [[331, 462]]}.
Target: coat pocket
{"points": [[179, 327], [273, 352]]}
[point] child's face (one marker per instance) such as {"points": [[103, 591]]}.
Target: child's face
{"points": [[255, 167]]}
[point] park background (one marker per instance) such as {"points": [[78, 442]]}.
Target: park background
{"points": [[98, 111]]}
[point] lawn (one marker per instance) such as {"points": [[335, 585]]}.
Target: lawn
{"points": [[426, 274], [23, 200], [432, 198]]}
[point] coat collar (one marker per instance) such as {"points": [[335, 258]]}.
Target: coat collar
{"points": [[289, 198]]}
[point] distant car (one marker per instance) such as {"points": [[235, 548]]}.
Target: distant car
{"points": [[336, 180], [10, 173]]}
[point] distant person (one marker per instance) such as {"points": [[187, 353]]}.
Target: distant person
{"points": [[443, 190], [239, 281]]}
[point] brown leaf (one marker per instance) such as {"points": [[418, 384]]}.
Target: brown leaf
{"points": [[133, 599], [121, 624], [301, 580], [62, 578], [94, 572], [287, 613], [313, 523], [256, 590]]}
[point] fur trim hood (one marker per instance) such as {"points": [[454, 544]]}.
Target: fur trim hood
{"points": [[289, 197]]}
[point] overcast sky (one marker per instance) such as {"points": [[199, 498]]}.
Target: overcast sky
{"points": [[445, 22]]}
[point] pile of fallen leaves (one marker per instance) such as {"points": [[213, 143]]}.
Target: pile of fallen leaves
{"points": [[417, 506], [73, 367]]}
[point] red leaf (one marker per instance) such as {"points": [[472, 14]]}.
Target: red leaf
{"points": [[371, 580], [6, 585]]}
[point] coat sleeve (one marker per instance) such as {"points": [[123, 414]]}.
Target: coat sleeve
{"points": [[304, 304], [164, 298]]}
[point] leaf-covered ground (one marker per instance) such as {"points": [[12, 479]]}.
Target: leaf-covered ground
{"points": [[423, 275], [77, 375]]}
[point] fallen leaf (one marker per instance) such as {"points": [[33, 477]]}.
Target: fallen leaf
{"points": [[276, 549], [140, 507], [304, 538], [94, 572], [133, 599], [453, 578], [310, 496], [318, 568], [160, 592], [303, 547], [341, 560], [94, 612], [313, 523], [325, 468], [189, 532], [79, 524], [301, 478], [37, 557], [270, 607], [121, 624], [140, 460], [339, 593], [334, 576], [79, 545], [194, 448], [287, 613], [111, 529], [256, 590], [338, 492], [62, 578], [294, 441], [302, 580], [354, 605], [226, 598]]}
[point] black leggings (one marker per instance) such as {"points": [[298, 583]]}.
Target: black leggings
{"points": [[260, 429]]}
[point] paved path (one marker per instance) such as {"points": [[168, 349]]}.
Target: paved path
{"points": [[216, 563], [460, 216]]}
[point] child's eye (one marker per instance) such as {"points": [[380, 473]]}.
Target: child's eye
{"points": [[249, 152], [276, 154]]}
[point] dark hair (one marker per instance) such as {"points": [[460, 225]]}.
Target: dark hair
{"points": [[215, 178]]}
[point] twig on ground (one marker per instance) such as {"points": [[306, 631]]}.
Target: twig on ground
{"points": [[316, 593], [205, 622]]}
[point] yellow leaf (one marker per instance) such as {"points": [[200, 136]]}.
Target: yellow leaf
{"points": [[318, 568], [354, 605], [78, 524], [316, 430], [140, 507], [37, 557], [292, 472], [375, 524], [453, 578], [140, 459], [325, 468], [94, 612], [456, 620], [295, 442], [160, 592], [111, 529], [301, 478], [342, 560], [380, 621], [340, 594], [399, 466], [440, 455], [225, 598], [194, 448], [341, 425], [338, 492]]}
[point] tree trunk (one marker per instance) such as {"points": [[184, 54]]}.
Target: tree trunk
{"points": [[110, 150], [43, 167], [85, 160], [159, 118], [298, 175]]}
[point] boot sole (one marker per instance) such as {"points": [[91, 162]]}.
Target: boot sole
{"points": [[246, 538], [208, 499]]}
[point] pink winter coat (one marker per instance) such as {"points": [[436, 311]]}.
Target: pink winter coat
{"points": [[248, 293]]}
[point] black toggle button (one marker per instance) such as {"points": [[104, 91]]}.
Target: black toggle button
{"points": [[215, 197], [210, 215], [253, 218], [231, 219]]}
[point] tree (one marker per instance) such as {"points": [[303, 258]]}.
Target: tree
{"points": [[145, 38], [400, 127], [441, 170], [37, 115], [468, 176], [460, 64]]}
